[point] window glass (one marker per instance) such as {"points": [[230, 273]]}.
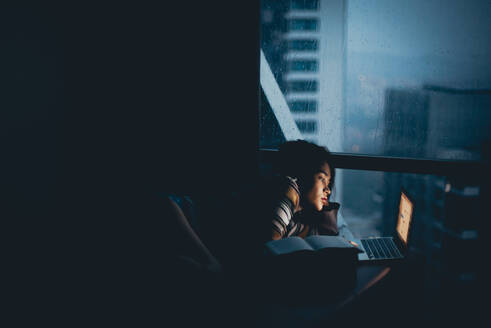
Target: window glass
{"points": [[388, 77]]}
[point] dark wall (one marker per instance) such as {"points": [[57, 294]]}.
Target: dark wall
{"points": [[103, 104], [169, 93], [32, 87], [100, 98]]}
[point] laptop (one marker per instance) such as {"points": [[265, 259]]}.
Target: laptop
{"points": [[377, 249]]}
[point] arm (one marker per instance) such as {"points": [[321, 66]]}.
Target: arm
{"points": [[186, 234]]}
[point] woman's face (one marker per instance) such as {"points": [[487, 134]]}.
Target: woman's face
{"points": [[317, 195]]}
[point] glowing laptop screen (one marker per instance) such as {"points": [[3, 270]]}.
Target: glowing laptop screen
{"points": [[404, 219]]}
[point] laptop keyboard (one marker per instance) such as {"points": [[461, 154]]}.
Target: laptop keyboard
{"points": [[380, 248]]}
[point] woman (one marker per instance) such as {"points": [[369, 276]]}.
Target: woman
{"points": [[303, 181]]}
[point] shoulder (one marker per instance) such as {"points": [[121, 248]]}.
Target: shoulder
{"points": [[274, 188], [288, 187], [292, 183]]}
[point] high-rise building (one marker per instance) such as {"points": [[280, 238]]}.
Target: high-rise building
{"points": [[313, 76], [406, 121], [303, 41], [444, 124]]}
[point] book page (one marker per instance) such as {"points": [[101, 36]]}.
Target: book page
{"points": [[287, 245], [319, 242]]}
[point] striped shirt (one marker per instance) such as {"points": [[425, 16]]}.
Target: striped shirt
{"points": [[284, 223]]}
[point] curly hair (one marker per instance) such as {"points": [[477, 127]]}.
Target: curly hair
{"points": [[302, 159]]}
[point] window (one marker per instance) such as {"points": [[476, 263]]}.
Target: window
{"points": [[302, 86], [307, 126], [304, 4], [302, 45], [388, 78], [303, 106], [303, 24], [303, 66]]}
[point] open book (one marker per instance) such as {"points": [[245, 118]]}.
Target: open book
{"points": [[328, 261], [309, 244]]}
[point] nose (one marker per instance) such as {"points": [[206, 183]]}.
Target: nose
{"points": [[327, 190]]}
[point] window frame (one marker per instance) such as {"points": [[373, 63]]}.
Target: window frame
{"points": [[464, 168]]}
